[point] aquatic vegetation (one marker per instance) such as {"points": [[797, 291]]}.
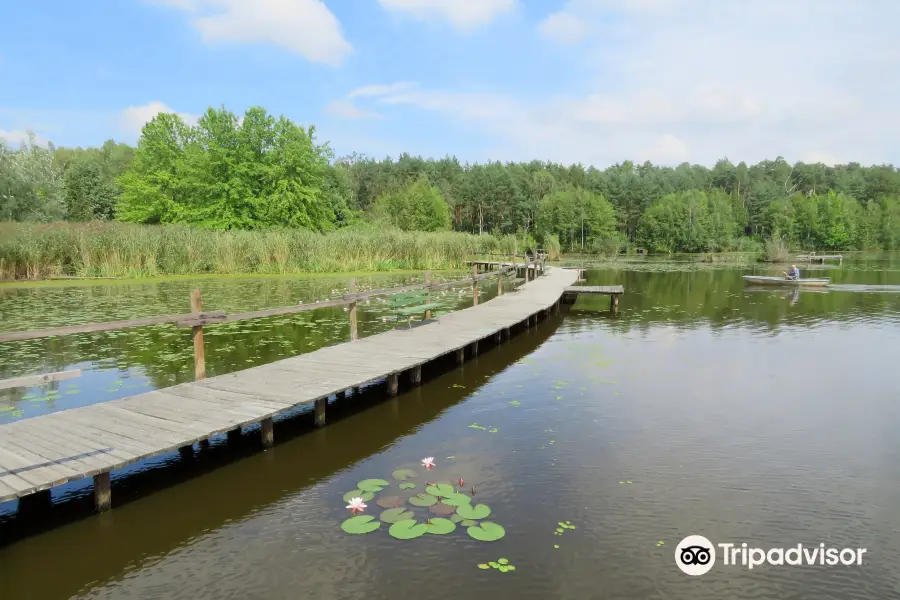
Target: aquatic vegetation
{"points": [[563, 527], [486, 532], [447, 507], [360, 524], [404, 474], [407, 486], [408, 529], [660, 543], [479, 511], [514, 403], [501, 564], [428, 462], [356, 505]]}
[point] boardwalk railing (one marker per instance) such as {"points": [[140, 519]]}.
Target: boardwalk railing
{"points": [[198, 317]]}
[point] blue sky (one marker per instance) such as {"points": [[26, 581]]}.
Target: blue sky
{"points": [[590, 81]]}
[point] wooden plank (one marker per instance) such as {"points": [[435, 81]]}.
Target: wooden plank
{"points": [[33, 380], [16, 336], [595, 289]]}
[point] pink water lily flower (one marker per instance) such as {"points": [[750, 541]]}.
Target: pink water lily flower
{"points": [[428, 463], [356, 505]]}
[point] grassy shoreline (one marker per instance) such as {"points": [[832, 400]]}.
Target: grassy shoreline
{"points": [[36, 252]]}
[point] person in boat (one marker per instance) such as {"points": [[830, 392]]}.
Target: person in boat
{"points": [[794, 275]]}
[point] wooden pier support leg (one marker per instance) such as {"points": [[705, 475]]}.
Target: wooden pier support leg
{"points": [[614, 303], [415, 375], [319, 412], [393, 383], [234, 435], [505, 333], [498, 337], [500, 284], [474, 285], [203, 444], [102, 492], [186, 451], [267, 429], [197, 336], [354, 332], [460, 356], [475, 348]]}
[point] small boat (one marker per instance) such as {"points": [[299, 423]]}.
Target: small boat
{"points": [[759, 280]]}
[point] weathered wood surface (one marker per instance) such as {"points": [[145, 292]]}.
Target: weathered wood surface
{"points": [[215, 316], [595, 289], [46, 451]]}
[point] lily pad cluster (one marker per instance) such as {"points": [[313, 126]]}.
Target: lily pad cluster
{"points": [[501, 564], [563, 527], [489, 428], [448, 508]]}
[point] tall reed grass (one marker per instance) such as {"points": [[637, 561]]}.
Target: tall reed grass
{"points": [[110, 249]]}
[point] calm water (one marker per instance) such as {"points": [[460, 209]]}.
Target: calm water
{"points": [[765, 417]]}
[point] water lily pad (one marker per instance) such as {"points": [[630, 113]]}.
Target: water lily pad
{"points": [[444, 490], [395, 515], [390, 501], [403, 474], [456, 518], [423, 500], [442, 509], [366, 496], [503, 561], [407, 486], [493, 564], [360, 524], [484, 566], [372, 485], [486, 532], [503, 568], [479, 511], [408, 529], [457, 500], [439, 526], [476, 426], [556, 546], [559, 530], [467, 522]]}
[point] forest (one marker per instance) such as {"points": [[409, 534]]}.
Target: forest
{"points": [[231, 173]]}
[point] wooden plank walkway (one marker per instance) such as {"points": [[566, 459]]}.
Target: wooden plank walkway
{"points": [[39, 453], [570, 294]]}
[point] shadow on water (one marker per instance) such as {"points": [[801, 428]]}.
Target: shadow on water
{"points": [[160, 508]]}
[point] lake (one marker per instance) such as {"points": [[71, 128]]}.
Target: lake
{"points": [[759, 416]]}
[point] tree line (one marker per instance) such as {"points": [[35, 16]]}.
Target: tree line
{"points": [[257, 171]]}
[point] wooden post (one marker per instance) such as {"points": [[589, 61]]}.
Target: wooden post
{"points": [[354, 332], [415, 375], [102, 492], [197, 336], [614, 303], [186, 451], [267, 428], [319, 412], [474, 285], [475, 348], [234, 435], [505, 333], [500, 283], [393, 384], [203, 444], [460, 356], [526, 271], [427, 282]]}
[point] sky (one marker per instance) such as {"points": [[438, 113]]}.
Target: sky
{"points": [[594, 82]]}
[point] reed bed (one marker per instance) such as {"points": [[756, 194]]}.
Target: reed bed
{"points": [[111, 249]]}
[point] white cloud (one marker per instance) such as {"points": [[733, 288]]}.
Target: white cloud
{"points": [[344, 109], [133, 118], [697, 80], [563, 28], [305, 27], [381, 89], [15, 138], [465, 15]]}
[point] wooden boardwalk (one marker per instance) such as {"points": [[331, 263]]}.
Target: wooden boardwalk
{"points": [[39, 453], [571, 293]]}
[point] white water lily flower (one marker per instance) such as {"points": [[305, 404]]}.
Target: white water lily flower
{"points": [[428, 463], [356, 505]]}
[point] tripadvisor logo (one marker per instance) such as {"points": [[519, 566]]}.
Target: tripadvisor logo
{"points": [[696, 555]]}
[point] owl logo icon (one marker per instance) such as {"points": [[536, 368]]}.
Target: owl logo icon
{"points": [[695, 555]]}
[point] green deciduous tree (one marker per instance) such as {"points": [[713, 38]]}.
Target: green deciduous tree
{"points": [[416, 206]]}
